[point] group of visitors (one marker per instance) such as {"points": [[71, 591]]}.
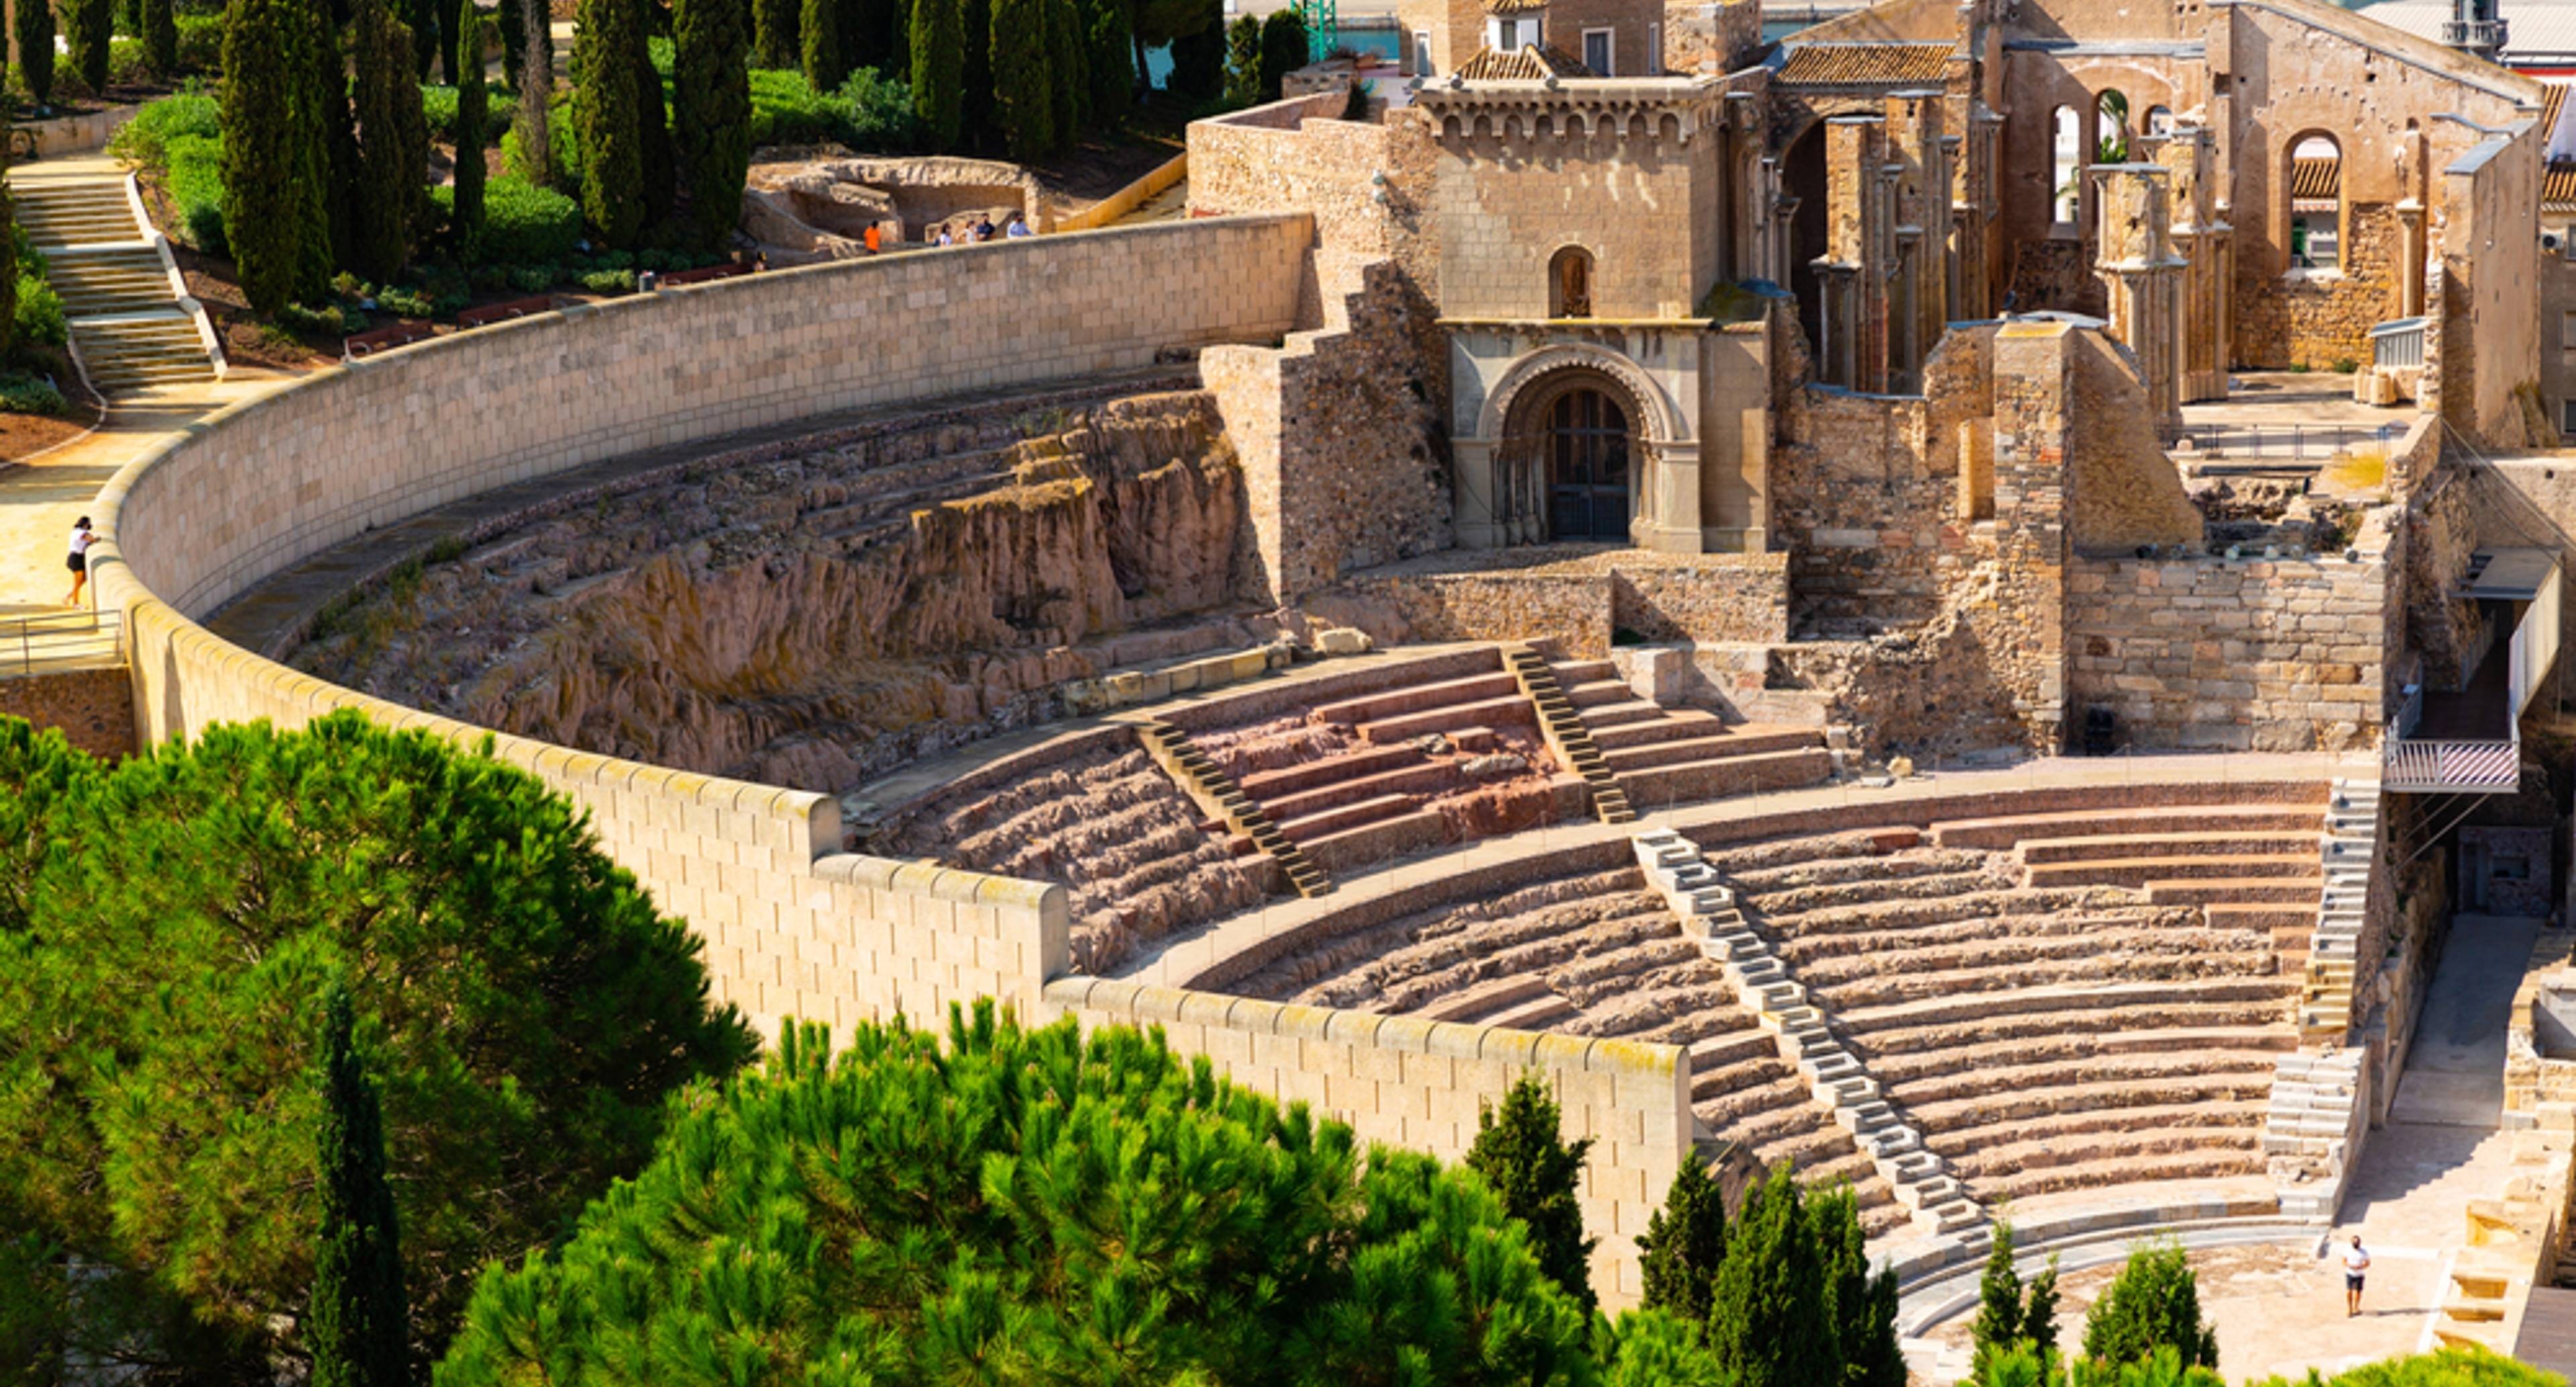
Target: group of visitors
{"points": [[980, 229]]}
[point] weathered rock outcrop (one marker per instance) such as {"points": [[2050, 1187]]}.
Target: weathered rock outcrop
{"points": [[814, 620]]}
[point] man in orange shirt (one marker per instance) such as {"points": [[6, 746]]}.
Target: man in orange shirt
{"points": [[870, 237]]}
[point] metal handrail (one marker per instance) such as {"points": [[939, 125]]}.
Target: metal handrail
{"points": [[59, 640], [2289, 440]]}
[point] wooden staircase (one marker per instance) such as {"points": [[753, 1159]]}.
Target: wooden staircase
{"points": [[1566, 733], [1216, 793]]}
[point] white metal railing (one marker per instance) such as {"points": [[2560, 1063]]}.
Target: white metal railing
{"points": [[2397, 344], [59, 640], [2287, 440], [2428, 767]]}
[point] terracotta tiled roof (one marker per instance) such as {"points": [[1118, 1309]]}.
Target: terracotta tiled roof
{"points": [[1514, 6], [2558, 188], [2552, 96], [2316, 178], [1532, 63], [1864, 64]]}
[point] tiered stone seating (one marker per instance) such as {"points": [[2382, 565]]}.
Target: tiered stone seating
{"points": [[1670, 756], [1097, 815], [2062, 1001], [1590, 952], [1436, 750]]}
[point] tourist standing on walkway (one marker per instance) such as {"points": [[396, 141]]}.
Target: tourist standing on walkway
{"points": [[78, 563], [2356, 1261], [1017, 229], [872, 237]]}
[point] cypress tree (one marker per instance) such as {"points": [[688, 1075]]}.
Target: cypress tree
{"points": [[1198, 57], [333, 155], [31, 24], [1860, 1310], [87, 27], [775, 42], [270, 196], [978, 112], [938, 73], [869, 34], [161, 37], [421, 17], [1108, 42], [470, 111], [1069, 74], [2039, 1314], [1283, 49], [2153, 1305], [360, 1317], [514, 45], [819, 30], [1684, 1242], [604, 119], [1243, 62], [1767, 1305], [659, 166], [713, 126], [393, 142], [1021, 72], [1518, 1152], [536, 89]]}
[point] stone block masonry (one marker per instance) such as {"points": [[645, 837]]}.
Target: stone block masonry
{"points": [[1422, 1084], [94, 708], [792, 925]]}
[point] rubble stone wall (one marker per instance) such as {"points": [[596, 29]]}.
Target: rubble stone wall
{"points": [[92, 708]]}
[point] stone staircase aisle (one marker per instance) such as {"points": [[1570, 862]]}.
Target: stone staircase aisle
{"points": [[1566, 733], [2352, 835], [131, 329], [1216, 793], [1836, 1077]]}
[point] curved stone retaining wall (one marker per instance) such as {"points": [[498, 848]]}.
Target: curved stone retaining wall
{"points": [[793, 925]]}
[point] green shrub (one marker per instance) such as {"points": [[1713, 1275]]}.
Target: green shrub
{"points": [[129, 63], [524, 225], [21, 393], [329, 320], [609, 281], [567, 148], [532, 279], [201, 43], [439, 104], [40, 313], [878, 112], [30, 261], [785, 110], [144, 140], [405, 303], [195, 183]]}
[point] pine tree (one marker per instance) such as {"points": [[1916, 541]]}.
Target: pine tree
{"points": [[1768, 1303], [31, 27], [1283, 49], [604, 119], [1997, 1328], [1518, 1152], [775, 42], [393, 142], [1860, 1309], [161, 37], [2154, 1304], [473, 30], [713, 125], [531, 116], [360, 1317], [87, 27], [938, 77], [1068, 70], [1684, 1242], [271, 197], [1243, 62], [1108, 41], [819, 31]]}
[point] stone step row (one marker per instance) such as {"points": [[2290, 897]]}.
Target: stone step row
{"points": [[2306, 1126], [2344, 858], [1835, 1077], [1567, 734], [1216, 793]]}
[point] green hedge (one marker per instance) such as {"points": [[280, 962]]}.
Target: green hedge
{"points": [[201, 43], [869, 112], [195, 182], [521, 224], [40, 313], [21, 393], [144, 140], [439, 105]]}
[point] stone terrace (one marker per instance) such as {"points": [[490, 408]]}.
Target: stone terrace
{"points": [[1666, 756], [1592, 951], [2063, 1001]]}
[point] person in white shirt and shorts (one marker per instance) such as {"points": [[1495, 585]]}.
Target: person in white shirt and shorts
{"points": [[78, 562], [2356, 1263]]}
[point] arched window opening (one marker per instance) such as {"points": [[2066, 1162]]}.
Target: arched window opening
{"points": [[2316, 204], [2159, 121], [2066, 179], [1569, 283], [2110, 128]]}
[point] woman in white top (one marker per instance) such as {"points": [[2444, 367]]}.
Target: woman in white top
{"points": [[78, 563], [2355, 1263]]}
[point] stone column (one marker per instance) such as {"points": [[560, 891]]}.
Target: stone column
{"points": [[2410, 259], [1854, 267], [2139, 269]]}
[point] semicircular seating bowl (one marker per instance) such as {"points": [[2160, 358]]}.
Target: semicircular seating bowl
{"points": [[2068, 1001]]}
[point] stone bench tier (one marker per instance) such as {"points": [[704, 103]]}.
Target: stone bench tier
{"points": [[1983, 1095], [1725, 776], [2074, 1040], [1878, 988], [2004, 832], [1996, 1007], [1271, 785], [1415, 698], [2196, 1154], [2139, 871], [2120, 846], [1511, 711], [1708, 744], [1420, 779], [2241, 890]]}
